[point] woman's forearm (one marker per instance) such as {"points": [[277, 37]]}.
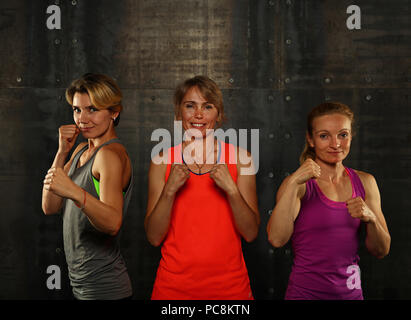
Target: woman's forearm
{"points": [[158, 222], [378, 240], [281, 224], [246, 219]]}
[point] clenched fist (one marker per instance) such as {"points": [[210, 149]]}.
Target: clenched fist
{"points": [[58, 182], [67, 137], [309, 169], [359, 209], [222, 177], [179, 174]]}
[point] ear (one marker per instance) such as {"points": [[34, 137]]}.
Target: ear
{"points": [[309, 139], [114, 115]]}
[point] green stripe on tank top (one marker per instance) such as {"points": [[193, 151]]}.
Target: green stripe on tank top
{"points": [[97, 186]]}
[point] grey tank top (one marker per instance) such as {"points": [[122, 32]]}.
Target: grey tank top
{"points": [[96, 268]]}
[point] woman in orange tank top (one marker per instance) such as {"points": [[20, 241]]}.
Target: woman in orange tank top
{"points": [[200, 205]]}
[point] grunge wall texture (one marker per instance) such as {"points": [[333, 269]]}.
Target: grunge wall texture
{"points": [[274, 61]]}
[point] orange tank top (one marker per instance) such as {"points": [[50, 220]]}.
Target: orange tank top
{"points": [[202, 258]]}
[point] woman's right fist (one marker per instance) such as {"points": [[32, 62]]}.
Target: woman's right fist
{"points": [[309, 169], [67, 137], [179, 174]]}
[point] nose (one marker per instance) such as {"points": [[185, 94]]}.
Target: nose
{"points": [[335, 142], [83, 117], [198, 113]]}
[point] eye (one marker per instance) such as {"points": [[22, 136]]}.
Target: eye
{"points": [[323, 136], [209, 107], [76, 110], [189, 105], [93, 109]]}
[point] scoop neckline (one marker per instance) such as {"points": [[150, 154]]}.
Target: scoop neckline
{"points": [[332, 203], [201, 174]]}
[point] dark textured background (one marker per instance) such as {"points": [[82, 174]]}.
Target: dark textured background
{"points": [[274, 61]]}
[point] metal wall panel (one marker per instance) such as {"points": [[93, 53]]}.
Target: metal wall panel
{"points": [[273, 59]]}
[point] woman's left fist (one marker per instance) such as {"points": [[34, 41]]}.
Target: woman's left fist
{"points": [[58, 182], [222, 177], [357, 208]]}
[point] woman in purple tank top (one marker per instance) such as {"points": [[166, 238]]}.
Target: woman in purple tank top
{"points": [[321, 206]]}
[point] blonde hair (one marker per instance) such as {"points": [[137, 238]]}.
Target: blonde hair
{"points": [[208, 89], [103, 91], [322, 110]]}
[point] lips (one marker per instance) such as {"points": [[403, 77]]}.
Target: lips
{"points": [[86, 129], [198, 125]]}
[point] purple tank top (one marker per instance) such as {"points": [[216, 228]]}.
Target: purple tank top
{"points": [[325, 244]]}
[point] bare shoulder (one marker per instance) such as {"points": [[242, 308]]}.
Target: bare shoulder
{"points": [[112, 152], [366, 178], [370, 185]]}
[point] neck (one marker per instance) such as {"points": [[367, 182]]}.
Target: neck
{"points": [[97, 142], [202, 150], [331, 172]]}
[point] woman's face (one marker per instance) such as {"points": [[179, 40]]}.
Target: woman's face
{"points": [[197, 113], [331, 137], [91, 121]]}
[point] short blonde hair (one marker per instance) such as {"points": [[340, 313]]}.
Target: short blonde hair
{"points": [[103, 91]]}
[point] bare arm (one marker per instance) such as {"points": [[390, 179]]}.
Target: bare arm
{"points": [[280, 226], [105, 214], [378, 239], [160, 200], [51, 203], [242, 196]]}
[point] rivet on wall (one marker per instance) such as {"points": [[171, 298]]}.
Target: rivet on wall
{"points": [[327, 80], [288, 41], [368, 97], [287, 136], [74, 41], [271, 3], [231, 80], [270, 212], [271, 175], [19, 79], [57, 41], [368, 79], [287, 98], [271, 135], [287, 80], [74, 2], [271, 251]]}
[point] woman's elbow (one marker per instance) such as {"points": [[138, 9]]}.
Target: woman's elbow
{"points": [[47, 210], [155, 242], [274, 239], [276, 243]]}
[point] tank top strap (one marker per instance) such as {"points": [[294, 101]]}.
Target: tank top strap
{"points": [[357, 186], [309, 190]]}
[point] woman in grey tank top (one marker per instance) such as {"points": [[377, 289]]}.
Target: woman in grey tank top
{"points": [[92, 190]]}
